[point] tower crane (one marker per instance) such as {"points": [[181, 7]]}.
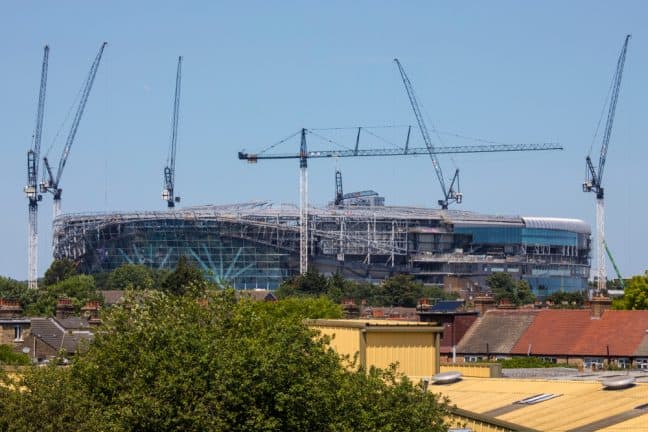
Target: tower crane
{"points": [[449, 193], [169, 169], [51, 185], [340, 196], [305, 154], [594, 177], [31, 190]]}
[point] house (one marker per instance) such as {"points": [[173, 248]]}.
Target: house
{"points": [[43, 338], [583, 337], [450, 315], [14, 327]]}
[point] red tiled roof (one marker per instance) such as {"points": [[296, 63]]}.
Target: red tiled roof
{"points": [[620, 331], [554, 331], [575, 332]]}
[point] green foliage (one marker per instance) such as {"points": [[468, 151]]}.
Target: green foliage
{"points": [[12, 289], [399, 290], [9, 357], [130, 276], [529, 362], [301, 308], [166, 363], [310, 283], [185, 279], [78, 288], [635, 296], [59, 270], [504, 287], [567, 300]]}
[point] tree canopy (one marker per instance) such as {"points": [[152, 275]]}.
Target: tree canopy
{"points": [[166, 362], [59, 270], [635, 295], [398, 290], [504, 287]]}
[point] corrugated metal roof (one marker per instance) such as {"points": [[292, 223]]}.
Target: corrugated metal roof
{"points": [[574, 225], [578, 406]]}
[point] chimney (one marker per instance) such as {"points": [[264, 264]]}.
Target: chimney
{"points": [[91, 312], [10, 308], [484, 303], [598, 305], [506, 304], [64, 308]]}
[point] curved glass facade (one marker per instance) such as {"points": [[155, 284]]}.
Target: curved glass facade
{"points": [[257, 245]]}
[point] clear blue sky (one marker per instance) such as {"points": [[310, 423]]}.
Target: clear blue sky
{"points": [[254, 72]]}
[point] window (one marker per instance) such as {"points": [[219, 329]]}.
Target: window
{"points": [[18, 334], [642, 363], [473, 359], [549, 359], [593, 362], [623, 362]]}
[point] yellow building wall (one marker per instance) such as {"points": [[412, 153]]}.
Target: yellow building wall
{"points": [[345, 341], [415, 352], [474, 370]]}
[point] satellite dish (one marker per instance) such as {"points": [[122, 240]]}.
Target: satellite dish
{"points": [[618, 383], [25, 350], [446, 377]]}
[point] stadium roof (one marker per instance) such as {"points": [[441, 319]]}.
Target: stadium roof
{"points": [[263, 209]]}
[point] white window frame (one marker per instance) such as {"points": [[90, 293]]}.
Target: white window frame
{"points": [[473, 359], [623, 362], [18, 333], [596, 362], [642, 363]]}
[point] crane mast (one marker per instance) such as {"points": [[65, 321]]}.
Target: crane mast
{"points": [[449, 193], [52, 184], [31, 190], [339, 194], [169, 169], [594, 177]]}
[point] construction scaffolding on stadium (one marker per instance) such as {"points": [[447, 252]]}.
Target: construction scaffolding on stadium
{"points": [[256, 245]]}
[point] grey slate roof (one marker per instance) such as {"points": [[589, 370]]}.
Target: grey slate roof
{"points": [[49, 331], [500, 329], [642, 349], [112, 297], [73, 323]]}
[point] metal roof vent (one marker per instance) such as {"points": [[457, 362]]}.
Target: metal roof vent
{"points": [[446, 377], [618, 383], [532, 400]]}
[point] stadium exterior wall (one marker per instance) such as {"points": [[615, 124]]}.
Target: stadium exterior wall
{"points": [[256, 245]]}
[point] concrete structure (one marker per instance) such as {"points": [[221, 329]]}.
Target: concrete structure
{"points": [[257, 245], [379, 343]]}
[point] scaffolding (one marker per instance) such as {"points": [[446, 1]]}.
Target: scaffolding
{"points": [[257, 244]]}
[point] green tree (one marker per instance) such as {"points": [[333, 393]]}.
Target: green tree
{"points": [[567, 300], [78, 288], [166, 363], [59, 270], [504, 286], [131, 276], [184, 279], [635, 296], [401, 290], [310, 283], [14, 290]]}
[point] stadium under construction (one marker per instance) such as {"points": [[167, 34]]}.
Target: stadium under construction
{"points": [[257, 245]]}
